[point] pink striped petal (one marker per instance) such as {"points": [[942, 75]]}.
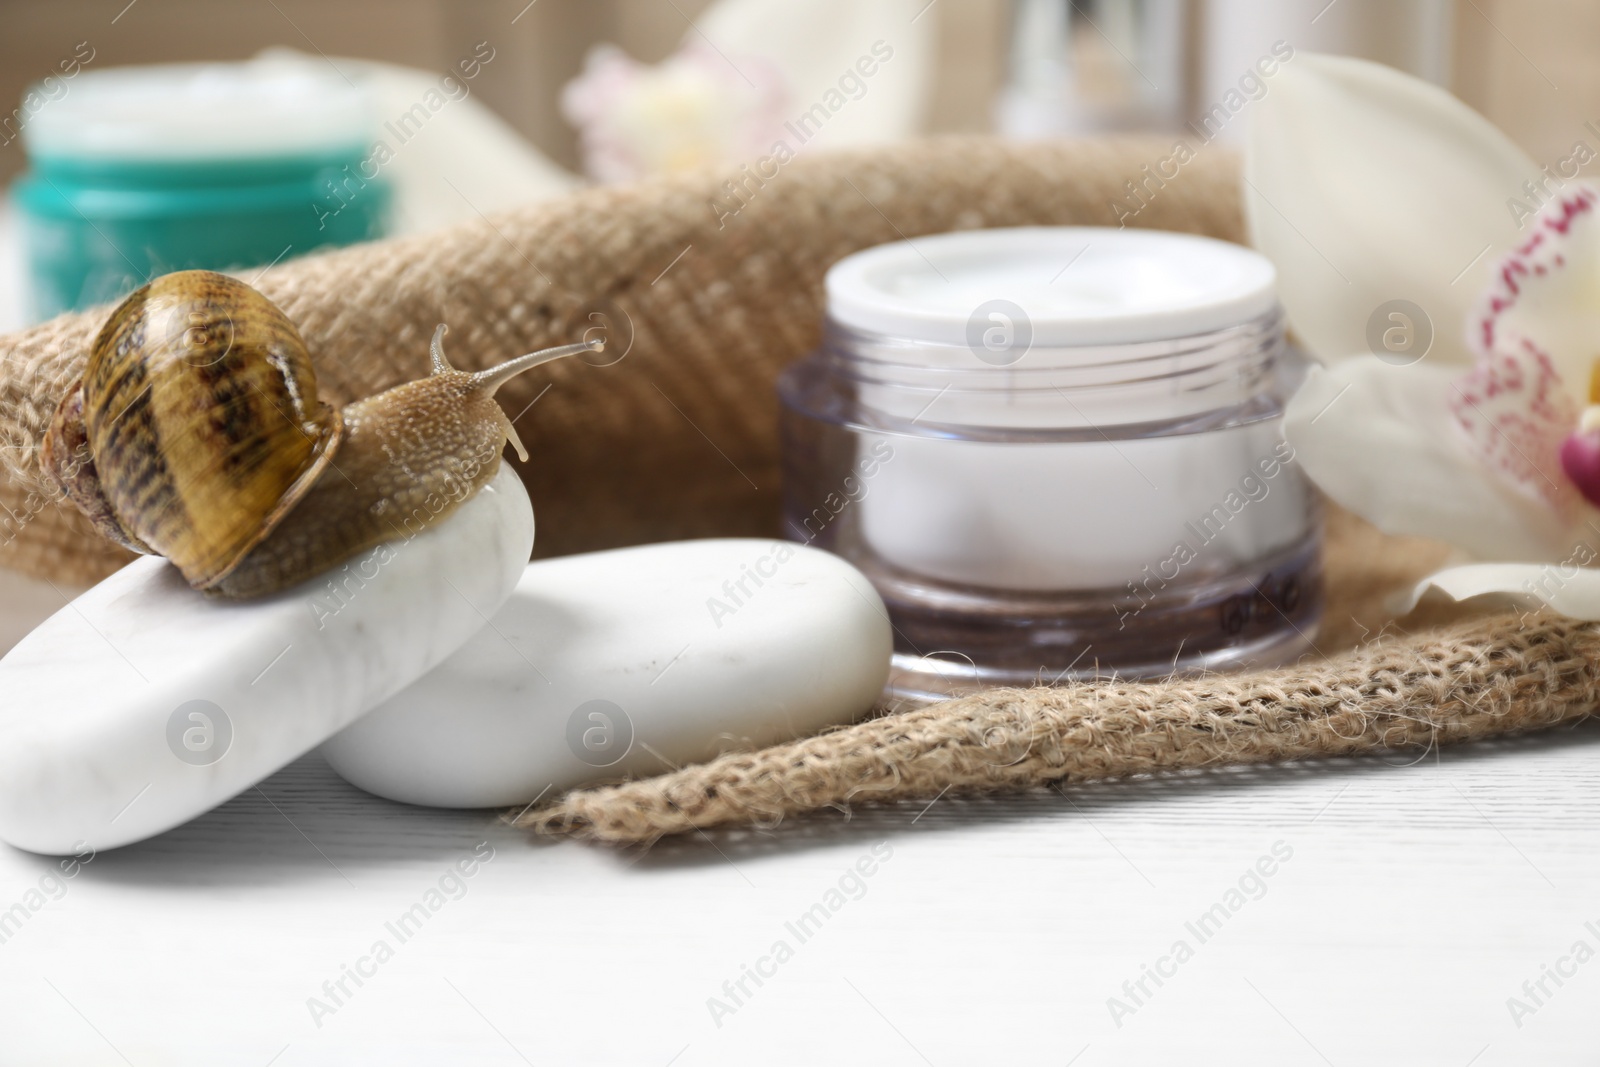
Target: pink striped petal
{"points": [[1547, 291], [1516, 414]]}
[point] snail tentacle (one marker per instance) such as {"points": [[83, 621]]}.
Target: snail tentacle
{"points": [[485, 383], [440, 362], [511, 435], [493, 378]]}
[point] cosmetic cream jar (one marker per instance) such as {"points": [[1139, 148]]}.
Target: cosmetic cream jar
{"points": [[137, 171], [1057, 454]]}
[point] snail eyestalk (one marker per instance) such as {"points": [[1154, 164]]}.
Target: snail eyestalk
{"points": [[493, 378], [440, 362], [487, 382]]}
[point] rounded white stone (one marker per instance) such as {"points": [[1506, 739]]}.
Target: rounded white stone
{"points": [[143, 703], [628, 662]]}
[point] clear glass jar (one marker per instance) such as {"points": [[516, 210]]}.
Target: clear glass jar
{"points": [[1049, 482]]}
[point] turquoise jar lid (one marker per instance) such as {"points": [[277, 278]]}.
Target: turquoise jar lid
{"points": [[138, 171]]}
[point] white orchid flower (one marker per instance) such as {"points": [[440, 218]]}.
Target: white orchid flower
{"points": [[1450, 291]]}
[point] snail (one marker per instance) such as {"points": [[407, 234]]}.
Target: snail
{"points": [[195, 432]]}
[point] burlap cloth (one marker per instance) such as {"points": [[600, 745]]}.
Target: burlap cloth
{"points": [[710, 290]]}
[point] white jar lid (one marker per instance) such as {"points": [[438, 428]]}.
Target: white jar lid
{"points": [[1074, 285], [265, 107]]}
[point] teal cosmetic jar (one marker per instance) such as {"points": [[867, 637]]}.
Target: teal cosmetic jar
{"points": [[137, 171]]}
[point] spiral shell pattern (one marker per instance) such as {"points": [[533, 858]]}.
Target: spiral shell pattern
{"points": [[200, 406]]}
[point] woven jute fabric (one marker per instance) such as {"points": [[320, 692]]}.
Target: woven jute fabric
{"points": [[1466, 682], [705, 287]]}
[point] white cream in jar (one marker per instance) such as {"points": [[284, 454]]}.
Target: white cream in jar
{"points": [[1058, 450]]}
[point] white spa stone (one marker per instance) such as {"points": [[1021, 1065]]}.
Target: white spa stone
{"points": [[627, 662], [143, 703]]}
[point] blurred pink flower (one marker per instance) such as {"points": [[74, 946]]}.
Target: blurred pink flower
{"points": [[696, 108]]}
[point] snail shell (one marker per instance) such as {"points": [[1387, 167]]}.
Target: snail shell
{"points": [[196, 433], [199, 407]]}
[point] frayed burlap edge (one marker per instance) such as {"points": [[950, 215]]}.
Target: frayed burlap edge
{"points": [[1466, 682]]}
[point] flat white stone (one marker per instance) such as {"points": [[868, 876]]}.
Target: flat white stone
{"points": [[144, 703], [620, 663]]}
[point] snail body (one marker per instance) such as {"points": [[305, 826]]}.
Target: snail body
{"points": [[196, 433]]}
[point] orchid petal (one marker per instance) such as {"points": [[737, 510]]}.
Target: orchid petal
{"points": [[1516, 415], [1366, 186], [1547, 291], [1382, 441], [1571, 590]]}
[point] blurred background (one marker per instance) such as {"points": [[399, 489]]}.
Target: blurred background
{"points": [[1521, 62]]}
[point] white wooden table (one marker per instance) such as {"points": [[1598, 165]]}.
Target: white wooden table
{"points": [[1417, 897]]}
